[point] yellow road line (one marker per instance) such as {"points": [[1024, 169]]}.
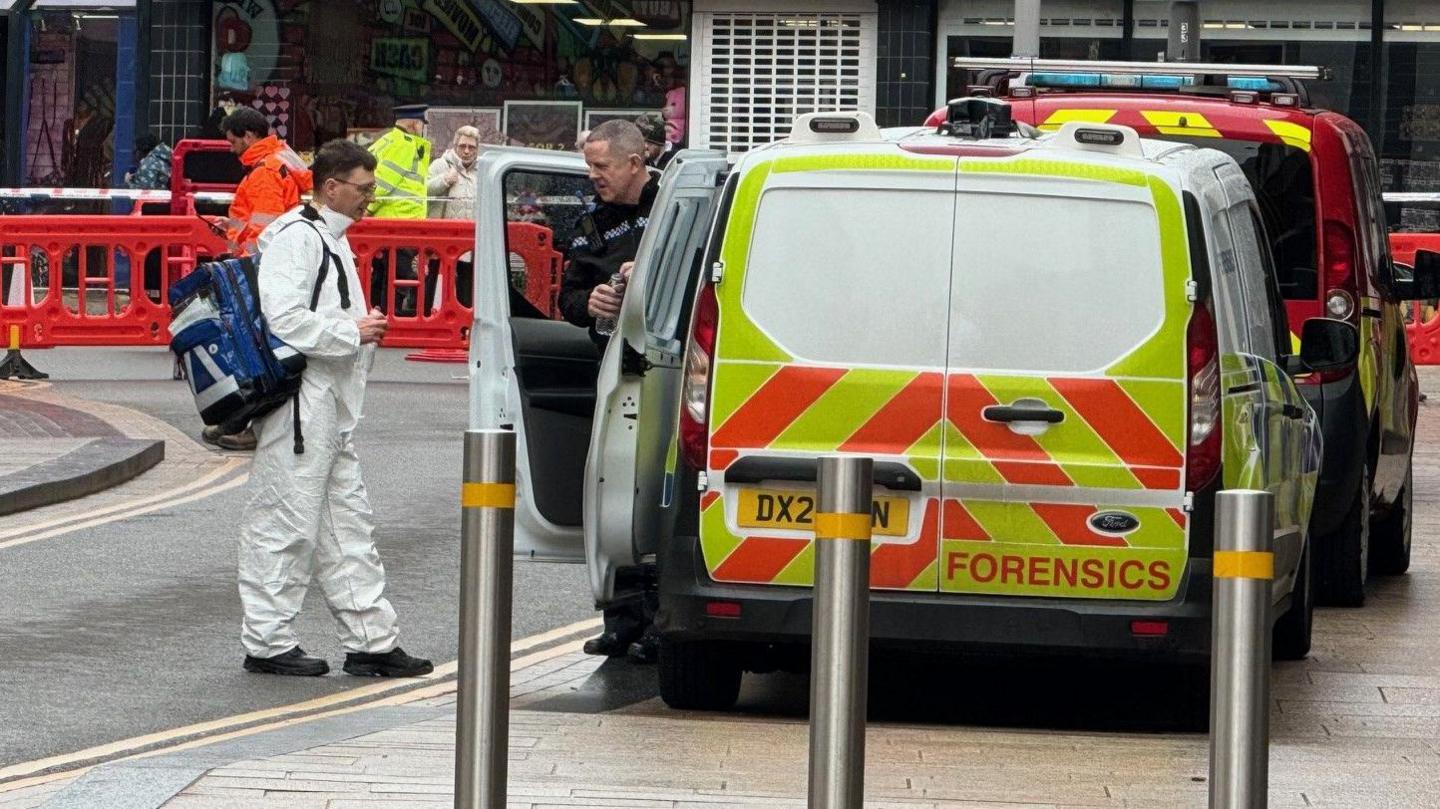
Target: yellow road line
{"points": [[282, 716], [134, 508]]}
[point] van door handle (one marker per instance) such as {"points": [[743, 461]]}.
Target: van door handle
{"points": [[1008, 414], [1291, 411], [887, 474]]}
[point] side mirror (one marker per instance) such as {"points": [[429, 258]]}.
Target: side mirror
{"points": [[1328, 345], [1422, 282]]}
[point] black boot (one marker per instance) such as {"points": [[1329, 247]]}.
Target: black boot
{"points": [[646, 650], [608, 644], [394, 663], [294, 662]]}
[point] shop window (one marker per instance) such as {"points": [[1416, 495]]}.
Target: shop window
{"points": [[524, 74]]}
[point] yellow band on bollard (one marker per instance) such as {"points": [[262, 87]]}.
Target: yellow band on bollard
{"points": [[843, 526], [487, 495], [14, 338], [1244, 565]]}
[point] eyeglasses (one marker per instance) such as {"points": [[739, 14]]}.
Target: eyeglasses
{"points": [[466, 146], [367, 190]]}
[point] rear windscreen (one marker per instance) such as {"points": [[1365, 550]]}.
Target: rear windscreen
{"points": [[1053, 284], [852, 276], [1285, 189]]}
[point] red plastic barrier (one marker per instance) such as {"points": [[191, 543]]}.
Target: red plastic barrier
{"points": [[68, 275], [72, 286], [201, 165], [417, 259], [1422, 321]]}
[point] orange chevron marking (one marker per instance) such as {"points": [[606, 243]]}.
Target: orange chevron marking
{"points": [[1071, 525], [959, 524], [759, 559], [722, 458], [902, 421], [1177, 515], [1122, 425], [896, 566], [771, 409], [1018, 458], [707, 499]]}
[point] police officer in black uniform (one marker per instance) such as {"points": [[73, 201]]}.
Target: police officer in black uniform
{"points": [[609, 233], [608, 238]]}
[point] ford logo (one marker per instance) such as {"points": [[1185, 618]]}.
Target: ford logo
{"points": [[1114, 522]]}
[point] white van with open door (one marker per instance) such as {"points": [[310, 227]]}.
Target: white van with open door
{"points": [[603, 502]]}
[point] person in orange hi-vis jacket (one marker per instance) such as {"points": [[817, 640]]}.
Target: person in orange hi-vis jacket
{"points": [[275, 179]]}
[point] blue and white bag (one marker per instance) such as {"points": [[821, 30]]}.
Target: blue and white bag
{"points": [[238, 370]]}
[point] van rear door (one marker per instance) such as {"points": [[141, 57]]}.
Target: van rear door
{"points": [[833, 299], [1065, 383]]}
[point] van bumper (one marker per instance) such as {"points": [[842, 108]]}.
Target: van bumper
{"points": [[937, 622]]}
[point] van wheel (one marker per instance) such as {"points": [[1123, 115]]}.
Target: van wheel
{"points": [[1391, 535], [1291, 639], [699, 675], [1341, 557]]}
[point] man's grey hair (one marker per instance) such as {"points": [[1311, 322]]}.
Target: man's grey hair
{"points": [[623, 136]]}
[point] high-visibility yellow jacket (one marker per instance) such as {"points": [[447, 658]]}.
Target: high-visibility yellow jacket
{"points": [[400, 176]]}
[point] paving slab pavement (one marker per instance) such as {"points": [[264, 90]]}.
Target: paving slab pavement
{"points": [[53, 449]]}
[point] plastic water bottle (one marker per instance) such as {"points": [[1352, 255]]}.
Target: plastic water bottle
{"points": [[606, 325]]}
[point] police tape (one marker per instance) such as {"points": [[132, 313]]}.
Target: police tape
{"points": [[140, 195], [149, 195], [1413, 199]]}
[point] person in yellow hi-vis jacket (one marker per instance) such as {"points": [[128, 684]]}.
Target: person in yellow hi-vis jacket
{"points": [[402, 156]]}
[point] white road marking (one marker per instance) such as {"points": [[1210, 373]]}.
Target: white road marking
{"points": [[232, 727]]}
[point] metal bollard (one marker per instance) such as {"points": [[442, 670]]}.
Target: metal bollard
{"points": [[840, 642], [1240, 651], [487, 541]]}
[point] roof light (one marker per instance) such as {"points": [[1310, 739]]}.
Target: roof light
{"points": [[1022, 92], [1285, 100], [835, 126], [1084, 136], [1100, 137], [1243, 96], [829, 127]]}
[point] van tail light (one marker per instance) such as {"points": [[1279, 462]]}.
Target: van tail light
{"points": [[695, 395], [1339, 254], [1202, 456]]}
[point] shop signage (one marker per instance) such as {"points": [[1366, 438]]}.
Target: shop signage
{"points": [[462, 22], [532, 18], [402, 57], [658, 14], [390, 11], [502, 23], [416, 21]]}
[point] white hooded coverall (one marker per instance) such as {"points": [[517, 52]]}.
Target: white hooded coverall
{"points": [[308, 514]]}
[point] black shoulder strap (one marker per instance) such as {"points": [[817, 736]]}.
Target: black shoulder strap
{"points": [[309, 217]]}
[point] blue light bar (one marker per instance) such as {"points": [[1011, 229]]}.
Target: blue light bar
{"points": [[1156, 81], [1256, 83], [1122, 80]]}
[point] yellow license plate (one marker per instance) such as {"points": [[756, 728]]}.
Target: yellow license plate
{"points": [[794, 510]]}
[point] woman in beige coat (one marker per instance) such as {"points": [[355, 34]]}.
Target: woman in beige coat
{"points": [[451, 189]]}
